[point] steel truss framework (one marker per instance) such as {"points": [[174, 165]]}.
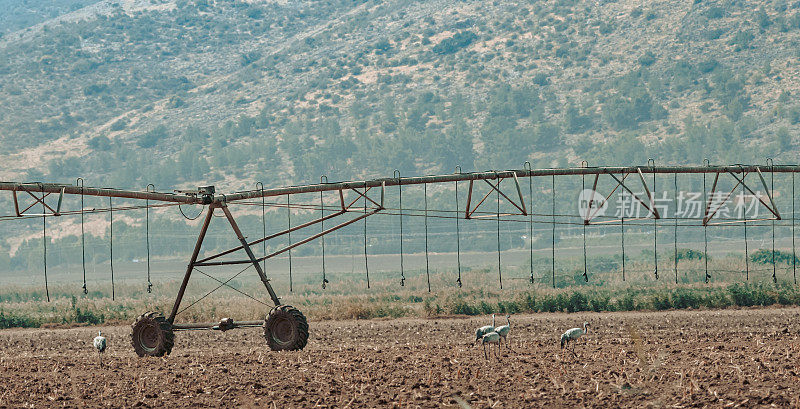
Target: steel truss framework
{"points": [[372, 193]]}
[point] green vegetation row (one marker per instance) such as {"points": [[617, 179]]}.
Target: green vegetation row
{"points": [[480, 303]]}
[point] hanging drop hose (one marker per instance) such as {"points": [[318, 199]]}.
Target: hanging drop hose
{"points": [[553, 247], [147, 237], [772, 188], [260, 186], [111, 245], [586, 221], [499, 264], [794, 253], [744, 225], [366, 259], [458, 233], [585, 259], [652, 163], [322, 179], [289, 237], [191, 218], [622, 240], [79, 182], [400, 215], [427, 264], [44, 246], [675, 236], [705, 225], [527, 167]]}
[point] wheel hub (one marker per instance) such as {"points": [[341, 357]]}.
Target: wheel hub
{"points": [[149, 337], [282, 331]]}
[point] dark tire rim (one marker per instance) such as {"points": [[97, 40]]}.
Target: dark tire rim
{"points": [[282, 330], [149, 337]]}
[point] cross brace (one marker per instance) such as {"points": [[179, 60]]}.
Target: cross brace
{"points": [[247, 246]]}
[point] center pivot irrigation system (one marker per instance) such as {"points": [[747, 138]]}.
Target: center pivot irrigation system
{"points": [[285, 327]]}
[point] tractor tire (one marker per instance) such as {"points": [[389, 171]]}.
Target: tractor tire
{"points": [[152, 335], [286, 329]]}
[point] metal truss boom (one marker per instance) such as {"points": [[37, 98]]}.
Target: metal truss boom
{"points": [[201, 198]]}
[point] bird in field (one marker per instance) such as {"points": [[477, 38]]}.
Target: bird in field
{"points": [[480, 332], [504, 330], [573, 335], [491, 338], [100, 345]]}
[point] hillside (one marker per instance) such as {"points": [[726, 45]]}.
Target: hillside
{"points": [[229, 92]]}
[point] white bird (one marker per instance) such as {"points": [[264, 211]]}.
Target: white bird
{"points": [[572, 335], [480, 332], [504, 330], [491, 338], [100, 345]]}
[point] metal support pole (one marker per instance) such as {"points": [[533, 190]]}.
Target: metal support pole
{"points": [[250, 254], [190, 266], [427, 262]]}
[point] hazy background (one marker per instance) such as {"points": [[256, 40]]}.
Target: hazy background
{"points": [[186, 93]]}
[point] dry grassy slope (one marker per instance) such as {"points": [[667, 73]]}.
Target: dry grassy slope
{"points": [[41, 89]]}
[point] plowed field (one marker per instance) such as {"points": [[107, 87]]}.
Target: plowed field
{"points": [[746, 358]]}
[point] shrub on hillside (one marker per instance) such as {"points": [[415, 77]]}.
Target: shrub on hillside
{"points": [[151, 138], [452, 44]]}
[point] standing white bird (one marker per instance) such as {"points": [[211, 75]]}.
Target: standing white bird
{"points": [[491, 338], [100, 345], [480, 332], [572, 335], [504, 330]]}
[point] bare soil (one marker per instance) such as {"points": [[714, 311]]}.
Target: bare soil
{"points": [[730, 358]]}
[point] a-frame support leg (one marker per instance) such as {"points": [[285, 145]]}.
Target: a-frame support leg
{"points": [[252, 256], [196, 252], [190, 267]]}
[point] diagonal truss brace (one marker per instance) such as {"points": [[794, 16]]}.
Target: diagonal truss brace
{"points": [[649, 205], [468, 213], [363, 195], [709, 214], [345, 208], [37, 200]]}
